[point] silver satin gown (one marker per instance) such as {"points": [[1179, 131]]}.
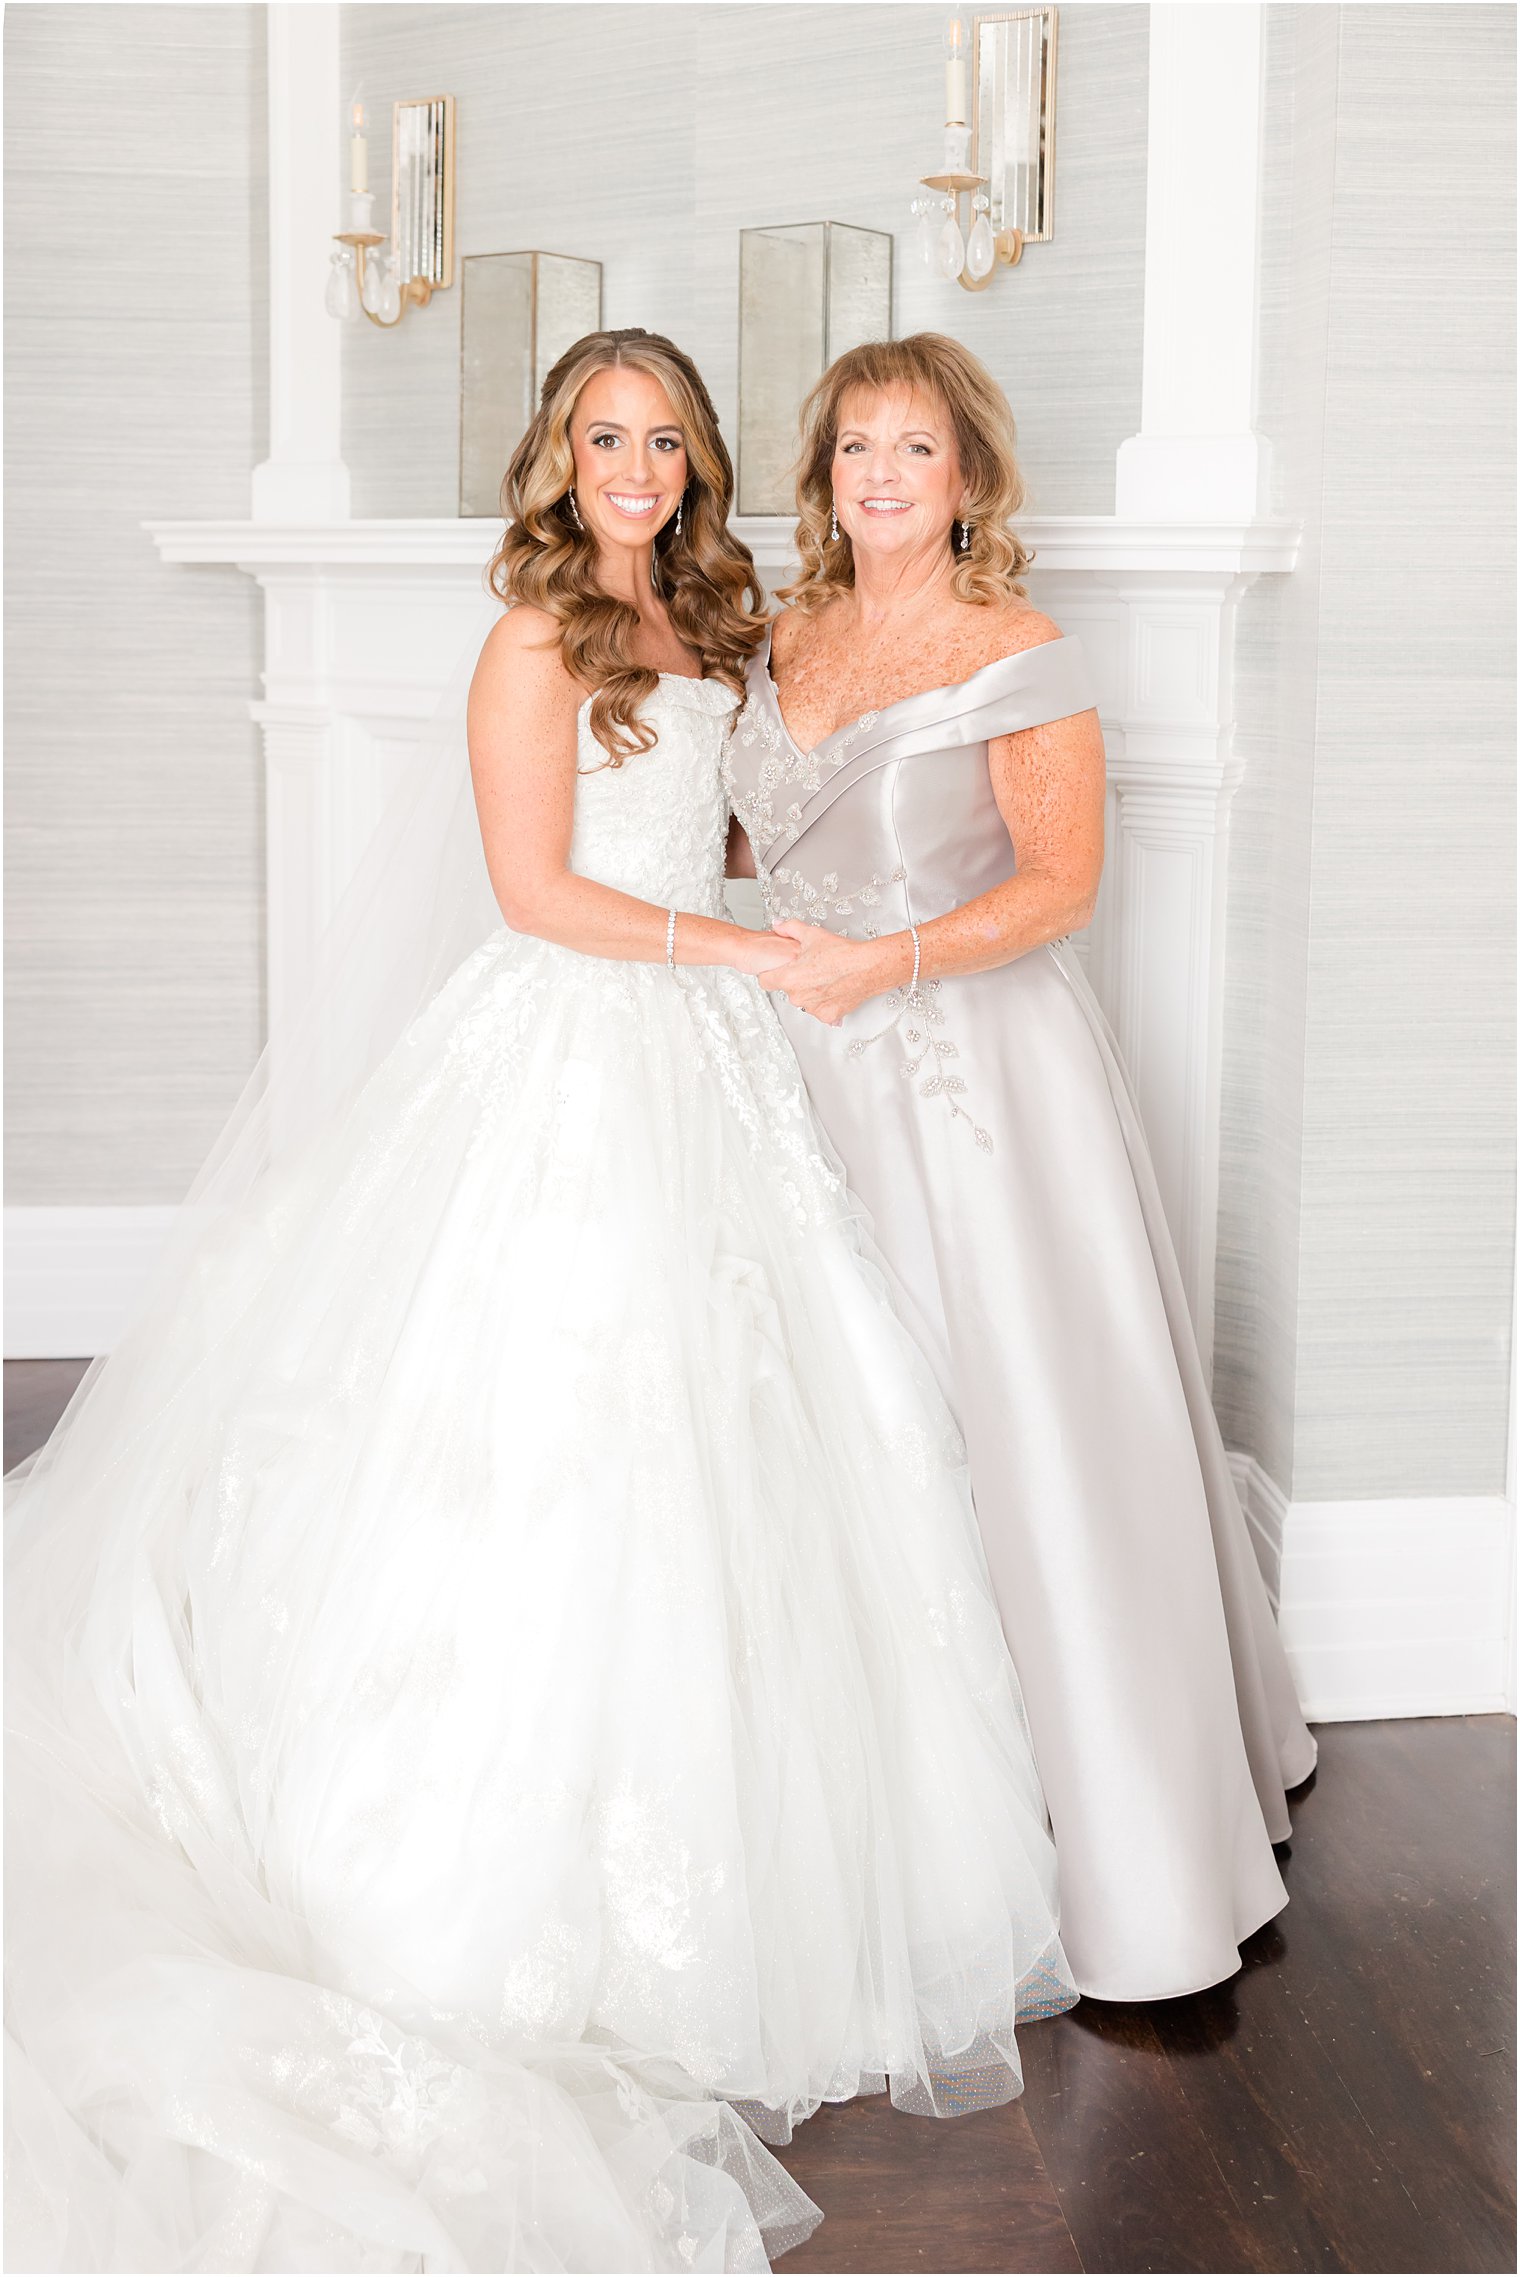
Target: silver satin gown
{"points": [[989, 1128]]}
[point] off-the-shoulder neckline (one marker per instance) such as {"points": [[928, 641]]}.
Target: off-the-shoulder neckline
{"points": [[847, 727]]}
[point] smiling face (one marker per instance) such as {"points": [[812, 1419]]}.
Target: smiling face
{"points": [[630, 456], [896, 475]]}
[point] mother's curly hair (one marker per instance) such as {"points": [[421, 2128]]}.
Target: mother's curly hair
{"points": [[932, 365], [706, 577]]}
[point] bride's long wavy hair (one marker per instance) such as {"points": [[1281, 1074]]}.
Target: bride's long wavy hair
{"points": [[992, 567], [706, 577]]}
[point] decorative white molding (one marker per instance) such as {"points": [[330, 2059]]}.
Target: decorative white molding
{"points": [[1196, 452], [1399, 1607], [1203, 546], [304, 478], [363, 622], [1162, 642], [73, 1277], [1266, 1514], [1207, 547], [356, 655]]}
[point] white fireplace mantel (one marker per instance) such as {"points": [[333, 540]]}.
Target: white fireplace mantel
{"points": [[1084, 542], [363, 625]]}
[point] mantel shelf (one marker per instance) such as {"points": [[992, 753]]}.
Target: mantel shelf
{"points": [[1084, 543]]}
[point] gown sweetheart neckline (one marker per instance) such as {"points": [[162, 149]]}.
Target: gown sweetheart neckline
{"points": [[689, 679], [900, 703], [692, 680]]}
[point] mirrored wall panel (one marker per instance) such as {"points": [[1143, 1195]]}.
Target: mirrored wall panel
{"points": [[519, 313], [1014, 63], [422, 189], [806, 293]]}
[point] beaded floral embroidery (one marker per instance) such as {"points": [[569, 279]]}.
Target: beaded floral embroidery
{"points": [[921, 1004], [782, 768], [788, 892]]}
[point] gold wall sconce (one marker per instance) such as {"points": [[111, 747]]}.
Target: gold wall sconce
{"points": [[999, 153], [418, 259], [518, 314]]}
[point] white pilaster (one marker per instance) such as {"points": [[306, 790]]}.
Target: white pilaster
{"points": [[1162, 642], [1197, 455], [354, 666], [304, 478]]}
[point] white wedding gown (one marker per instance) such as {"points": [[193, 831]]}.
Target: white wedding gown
{"points": [[512, 1674]]}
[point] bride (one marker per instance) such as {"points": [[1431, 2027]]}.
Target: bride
{"points": [[505, 1700]]}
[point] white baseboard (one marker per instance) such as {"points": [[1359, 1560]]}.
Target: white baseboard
{"points": [[1388, 1608], [74, 1275], [1391, 1607]]}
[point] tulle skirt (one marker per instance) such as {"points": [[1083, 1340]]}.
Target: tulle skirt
{"points": [[506, 1705]]}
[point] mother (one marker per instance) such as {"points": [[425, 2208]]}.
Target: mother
{"points": [[919, 772]]}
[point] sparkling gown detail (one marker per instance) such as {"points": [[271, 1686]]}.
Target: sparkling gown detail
{"points": [[990, 1131], [509, 1682]]}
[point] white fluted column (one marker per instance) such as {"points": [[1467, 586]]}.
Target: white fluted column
{"points": [[1197, 455], [304, 478]]}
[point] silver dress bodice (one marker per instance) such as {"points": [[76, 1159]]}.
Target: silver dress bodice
{"points": [[891, 817]]}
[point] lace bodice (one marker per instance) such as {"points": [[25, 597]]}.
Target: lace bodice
{"points": [[658, 825]]}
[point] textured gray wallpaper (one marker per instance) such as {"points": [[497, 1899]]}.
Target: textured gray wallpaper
{"points": [[1266, 961], [135, 365], [646, 137], [1368, 1128]]}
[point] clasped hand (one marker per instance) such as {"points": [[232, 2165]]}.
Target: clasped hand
{"points": [[826, 975]]}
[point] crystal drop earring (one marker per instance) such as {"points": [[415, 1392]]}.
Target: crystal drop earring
{"points": [[965, 537], [680, 504], [833, 524], [575, 510]]}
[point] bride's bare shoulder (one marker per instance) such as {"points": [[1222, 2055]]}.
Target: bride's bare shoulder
{"points": [[521, 660], [522, 631]]}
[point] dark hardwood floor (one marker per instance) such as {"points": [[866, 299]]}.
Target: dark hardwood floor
{"points": [[1345, 2103], [36, 1394]]}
